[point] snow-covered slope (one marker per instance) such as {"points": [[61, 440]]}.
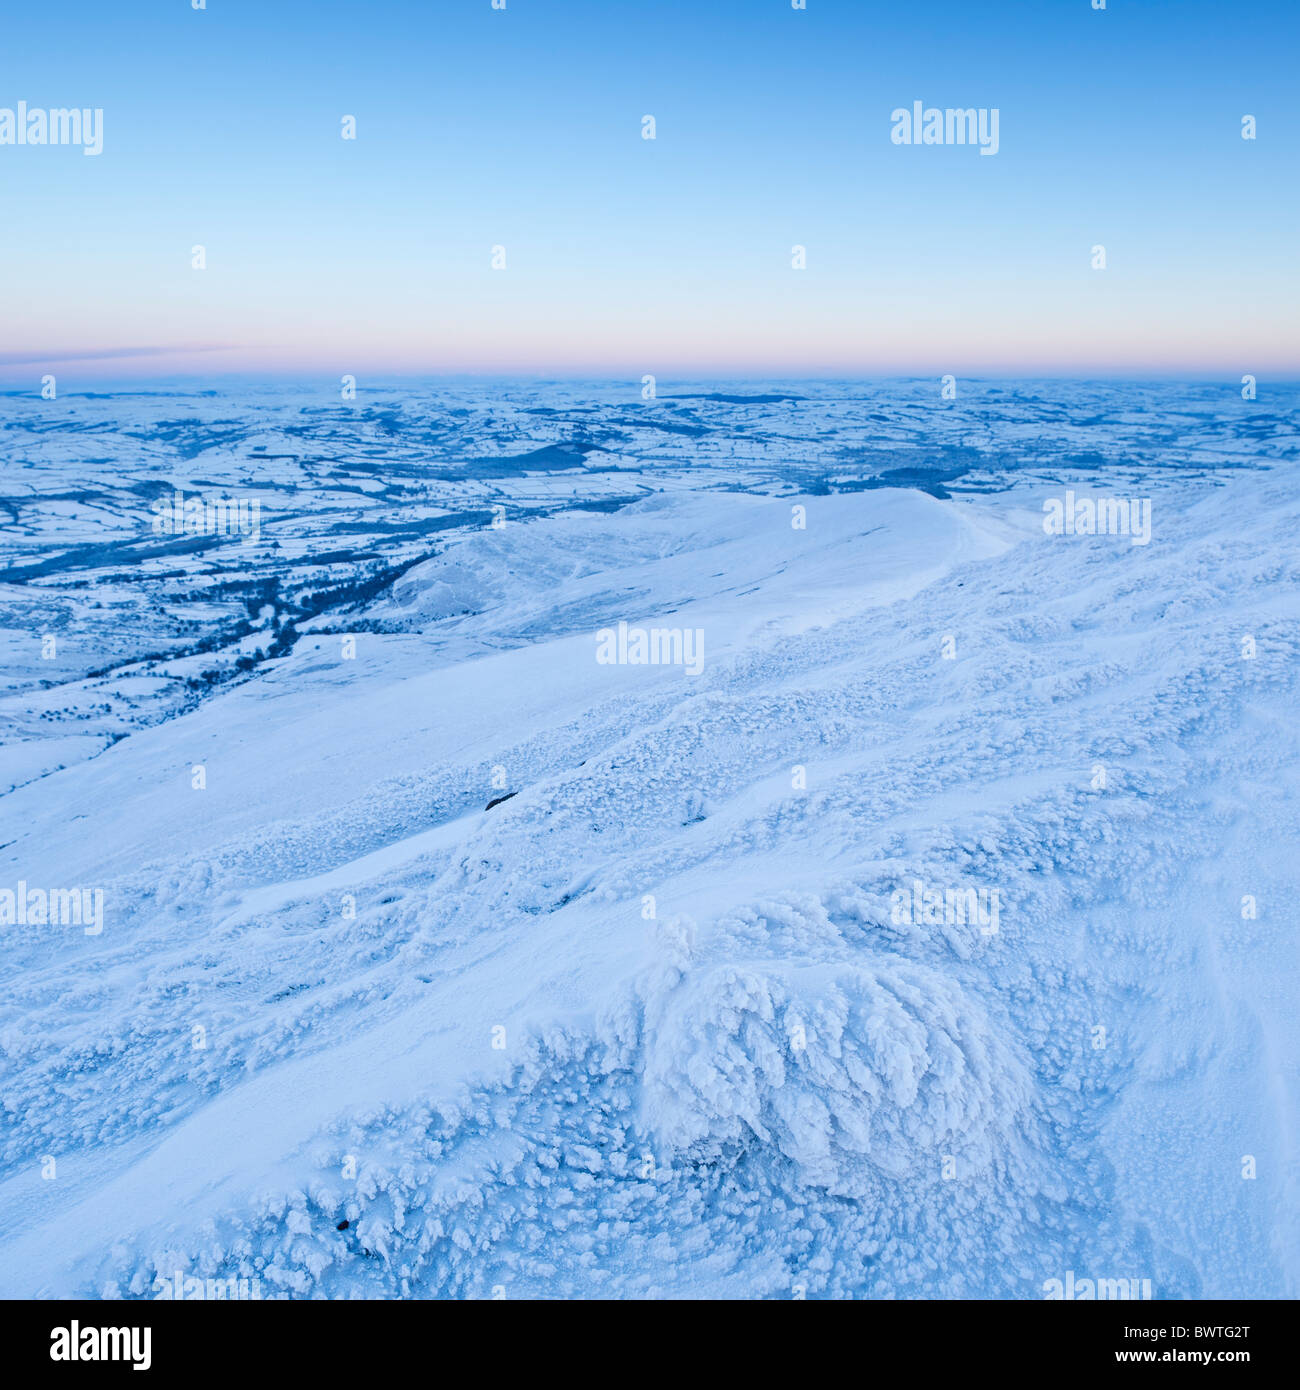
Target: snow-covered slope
{"points": [[654, 1024]]}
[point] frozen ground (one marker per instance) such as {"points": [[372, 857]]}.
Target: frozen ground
{"points": [[652, 1026]]}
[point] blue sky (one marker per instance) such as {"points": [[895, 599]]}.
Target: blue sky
{"points": [[522, 128]]}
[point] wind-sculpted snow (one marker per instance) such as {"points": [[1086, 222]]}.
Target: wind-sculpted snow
{"points": [[840, 1067], [478, 967]]}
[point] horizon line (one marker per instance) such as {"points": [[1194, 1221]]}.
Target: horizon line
{"points": [[13, 384]]}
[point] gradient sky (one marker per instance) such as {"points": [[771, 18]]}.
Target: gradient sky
{"points": [[522, 128]]}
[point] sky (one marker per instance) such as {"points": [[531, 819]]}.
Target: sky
{"points": [[521, 128]]}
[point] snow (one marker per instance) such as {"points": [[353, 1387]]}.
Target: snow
{"points": [[652, 1026]]}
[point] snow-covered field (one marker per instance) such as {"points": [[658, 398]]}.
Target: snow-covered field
{"points": [[680, 1013]]}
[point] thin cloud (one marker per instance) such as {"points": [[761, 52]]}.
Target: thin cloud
{"points": [[21, 359]]}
